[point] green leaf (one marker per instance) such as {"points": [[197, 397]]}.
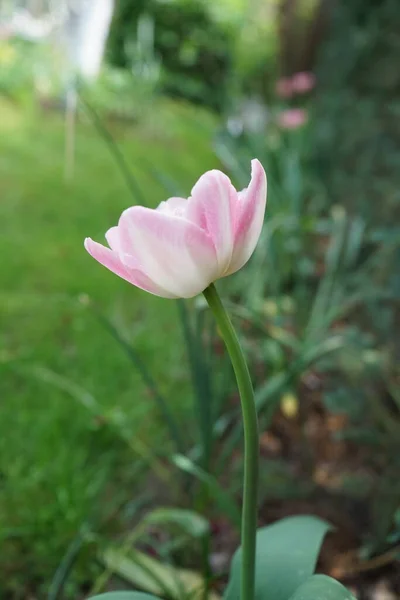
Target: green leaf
{"points": [[162, 404], [124, 596], [120, 158], [156, 577], [200, 377], [142, 571], [188, 521], [322, 587], [286, 556], [223, 499]]}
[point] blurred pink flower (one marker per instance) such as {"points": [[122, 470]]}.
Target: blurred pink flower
{"points": [[284, 88], [292, 118], [178, 249], [303, 82]]}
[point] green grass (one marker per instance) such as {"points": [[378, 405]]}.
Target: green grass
{"points": [[59, 447]]}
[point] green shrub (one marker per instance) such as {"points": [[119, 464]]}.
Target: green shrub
{"points": [[195, 50], [358, 108]]}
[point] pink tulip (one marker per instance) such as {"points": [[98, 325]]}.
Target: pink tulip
{"points": [[292, 118], [303, 82], [182, 246], [284, 88]]}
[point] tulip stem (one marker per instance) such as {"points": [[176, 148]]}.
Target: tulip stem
{"points": [[251, 447]]}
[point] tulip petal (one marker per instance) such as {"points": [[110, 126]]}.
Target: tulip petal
{"points": [[249, 217], [173, 252], [110, 259], [113, 239], [173, 206], [212, 207]]}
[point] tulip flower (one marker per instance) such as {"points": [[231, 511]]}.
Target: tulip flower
{"points": [[303, 82], [178, 249], [293, 118]]}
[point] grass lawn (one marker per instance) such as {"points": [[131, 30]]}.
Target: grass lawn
{"points": [[64, 380]]}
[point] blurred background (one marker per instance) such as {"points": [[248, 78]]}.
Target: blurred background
{"points": [[120, 433]]}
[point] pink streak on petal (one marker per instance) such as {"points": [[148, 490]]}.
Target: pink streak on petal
{"points": [[249, 217], [175, 253], [109, 259], [212, 207]]}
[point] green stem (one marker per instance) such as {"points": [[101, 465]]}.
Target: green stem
{"points": [[251, 449]]}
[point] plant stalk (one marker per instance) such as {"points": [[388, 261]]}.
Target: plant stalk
{"points": [[251, 445]]}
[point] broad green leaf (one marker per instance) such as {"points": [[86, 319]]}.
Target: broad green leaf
{"points": [[124, 596], [322, 587], [286, 556], [154, 576]]}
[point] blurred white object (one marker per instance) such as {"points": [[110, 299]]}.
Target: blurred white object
{"points": [[86, 30], [382, 591], [251, 116], [254, 115], [23, 24], [80, 25], [235, 126]]}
